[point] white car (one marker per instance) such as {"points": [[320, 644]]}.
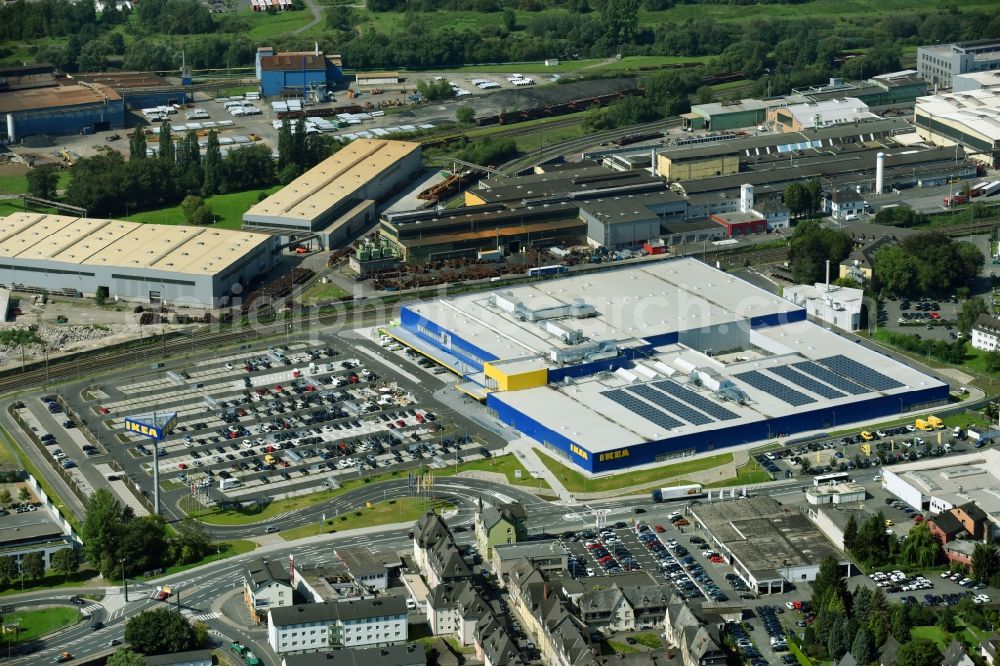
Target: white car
{"points": [[411, 604], [229, 366]]}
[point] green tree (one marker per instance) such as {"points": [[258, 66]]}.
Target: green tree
{"points": [[850, 533], [620, 19], [125, 657], [200, 634], [813, 196], [102, 530], [829, 584], [66, 562], [5, 497], [873, 546], [43, 180], [862, 647], [894, 272], [195, 210], [919, 652], [285, 147], [191, 543], [159, 631], [9, 569], [465, 114], [143, 544], [299, 144], [189, 171], [810, 248], [704, 94], [212, 165], [33, 565], [167, 148], [137, 145], [24, 494], [839, 641], [900, 623], [247, 168], [985, 561], [946, 620], [921, 549], [796, 198], [971, 309], [992, 361]]}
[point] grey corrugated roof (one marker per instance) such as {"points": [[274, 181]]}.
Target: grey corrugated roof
{"points": [[410, 654], [354, 609], [179, 658], [261, 572]]}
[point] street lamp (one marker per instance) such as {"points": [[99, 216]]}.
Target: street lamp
{"points": [[124, 579]]}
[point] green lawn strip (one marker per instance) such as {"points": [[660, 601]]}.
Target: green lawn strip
{"points": [[380, 513], [228, 208], [254, 515], [51, 581], [267, 25], [652, 641], [576, 482], [506, 465], [26, 464], [220, 551], [932, 633], [750, 473], [37, 623], [323, 292]]}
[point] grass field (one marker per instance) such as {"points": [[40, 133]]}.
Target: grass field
{"points": [[51, 581], [41, 622], [508, 466], [18, 183], [381, 513], [323, 292], [750, 473], [221, 551], [263, 25], [576, 482], [228, 208], [621, 648], [230, 517], [966, 634], [8, 448]]}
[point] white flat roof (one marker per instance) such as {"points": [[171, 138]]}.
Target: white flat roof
{"points": [[973, 477], [582, 412], [632, 303], [978, 110]]}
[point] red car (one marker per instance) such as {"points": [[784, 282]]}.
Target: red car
{"points": [[104, 410], [717, 559], [278, 388], [919, 518], [182, 466], [310, 388], [400, 423], [420, 418], [935, 315], [659, 529]]}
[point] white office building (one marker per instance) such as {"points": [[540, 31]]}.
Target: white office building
{"points": [[985, 332]]}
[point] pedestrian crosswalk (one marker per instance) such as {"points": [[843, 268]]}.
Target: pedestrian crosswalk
{"points": [[205, 617], [89, 609]]}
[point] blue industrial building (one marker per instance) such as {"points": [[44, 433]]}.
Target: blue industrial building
{"points": [[60, 110], [663, 360], [140, 90], [298, 73]]}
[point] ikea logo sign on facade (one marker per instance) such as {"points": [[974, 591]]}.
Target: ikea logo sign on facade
{"points": [[140, 426], [614, 455], [578, 451]]}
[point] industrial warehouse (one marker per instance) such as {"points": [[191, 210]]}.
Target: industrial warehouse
{"points": [[641, 365], [147, 263], [336, 199]]}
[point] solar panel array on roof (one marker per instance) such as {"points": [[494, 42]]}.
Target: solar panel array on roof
{"points": [[645, 410], [860, 373], [833, 379], [775, 388], [695, 399], [808, 383], [660, 399]]}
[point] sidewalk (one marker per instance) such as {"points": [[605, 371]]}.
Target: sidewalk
{"points": [[524, 449]]}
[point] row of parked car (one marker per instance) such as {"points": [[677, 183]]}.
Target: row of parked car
{"points": [[680, 567]]}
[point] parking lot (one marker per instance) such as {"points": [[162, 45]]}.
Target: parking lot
{"points": [[280, 421], [927, 319]]}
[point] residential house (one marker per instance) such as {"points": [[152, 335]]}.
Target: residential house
{"points": [[436, 552], [985, 332], [946, 527], [775, 213], [888, 653], [848, 660], [973, 519], [989, 649], [845, 204], [959, 552], [494, 646], [955, 655], [503, 523], [699, 646], [410, 654], [354, 623], [624, 608], [266, 585], [454, 609]]}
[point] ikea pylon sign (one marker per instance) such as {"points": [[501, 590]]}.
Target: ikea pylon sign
{"points": [[157, 427]]}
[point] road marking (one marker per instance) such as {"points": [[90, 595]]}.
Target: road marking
{"points": [[91, 608], [205, 617]]}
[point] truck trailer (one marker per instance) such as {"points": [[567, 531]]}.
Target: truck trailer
{"points": [[677, 492]]}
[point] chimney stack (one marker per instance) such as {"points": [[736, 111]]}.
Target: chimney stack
{"points": [[746, 198], [652, 158], [879, 172]]}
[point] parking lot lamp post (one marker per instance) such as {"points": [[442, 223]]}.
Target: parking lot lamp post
{"points": [[124, 579]]}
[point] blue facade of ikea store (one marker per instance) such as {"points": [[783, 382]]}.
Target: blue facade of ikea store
{"points": [[714, 439]]}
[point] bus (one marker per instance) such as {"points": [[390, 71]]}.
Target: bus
{"points": [[547, 270], [836, 477]]}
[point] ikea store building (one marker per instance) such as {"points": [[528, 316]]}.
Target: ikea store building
{"points": [[647, 363]]}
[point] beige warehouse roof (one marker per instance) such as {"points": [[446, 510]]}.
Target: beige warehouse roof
{"points": [[114, 243], [336, 178]]}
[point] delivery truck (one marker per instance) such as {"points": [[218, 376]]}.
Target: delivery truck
{"points": [[677, 492]]}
